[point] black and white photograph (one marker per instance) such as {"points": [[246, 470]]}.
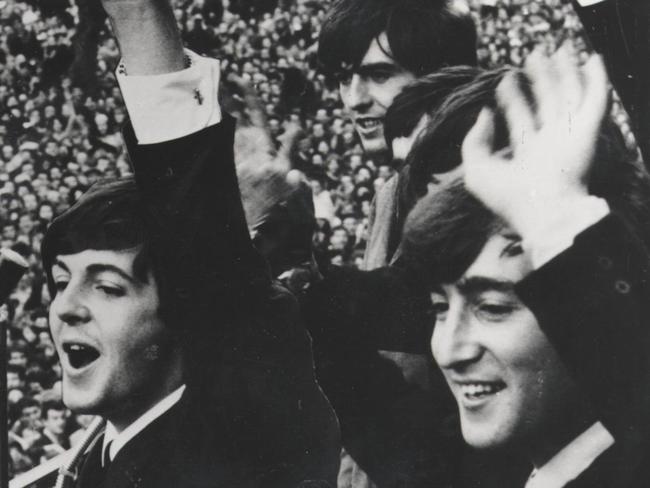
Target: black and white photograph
{"points": [[325, 244]]}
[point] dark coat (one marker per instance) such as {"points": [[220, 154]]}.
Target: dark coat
{"points": [[593, 303], [252, 414]]}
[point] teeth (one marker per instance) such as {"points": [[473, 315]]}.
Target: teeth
{"points": [[80, 355], [369, 123], [479, 389]]}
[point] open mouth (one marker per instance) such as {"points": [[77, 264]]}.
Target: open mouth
{"points": [[80, 355], [477, 391], [368, 123]]}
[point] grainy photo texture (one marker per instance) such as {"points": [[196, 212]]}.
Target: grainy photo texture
{"points": [[311, 244]]}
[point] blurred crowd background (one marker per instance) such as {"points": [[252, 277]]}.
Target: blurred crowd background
{"points": [[60, 119]]}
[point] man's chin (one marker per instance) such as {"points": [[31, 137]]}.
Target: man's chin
{"points": [[375, 146]]}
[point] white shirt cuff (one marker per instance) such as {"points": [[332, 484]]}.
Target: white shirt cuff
{"points": [[587, 3], [172, 105], [558, 234]]}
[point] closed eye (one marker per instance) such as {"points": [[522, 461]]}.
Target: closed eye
{"points": [[112, 291], [495, 312]]}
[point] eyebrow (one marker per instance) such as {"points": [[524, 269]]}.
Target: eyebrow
{"points": [[381, 66], [97, 268], [479, 284]]}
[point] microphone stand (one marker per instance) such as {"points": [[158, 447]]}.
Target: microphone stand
{"points": [[12, 268]]}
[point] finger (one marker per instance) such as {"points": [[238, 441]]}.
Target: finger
{"points": [[596, 93], [544, 84], [478, 143], [517, 111], [252, 102], [571, 89], [287, 142]]}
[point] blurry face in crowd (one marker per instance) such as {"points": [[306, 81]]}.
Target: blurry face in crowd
{"points": [[18, 358], [7, 152], [55, 421], [368, 91], [339, 239], [333, 166], [51, 149], [13, 381], [316, 187], [116, 355], [509, 383], [32, 415], [25, 224], [362, 175], [119, 116], [46, 213], [350, 225], [355, 161], [30, 202], [49, 111], [318, 130]]}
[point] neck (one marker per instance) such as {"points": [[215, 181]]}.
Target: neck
{"points": [[557, 436], [131, 409]]}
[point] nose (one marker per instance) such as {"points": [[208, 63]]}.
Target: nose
{"points": [[69, 307], [356, 95], [454, 343]]}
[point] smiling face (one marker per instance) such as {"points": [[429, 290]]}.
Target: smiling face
{"points": [[368, 90], [509, 382], [116, 354]]}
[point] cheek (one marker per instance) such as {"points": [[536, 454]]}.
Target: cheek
{"points": [[387, 91], [531, 361], [436, 341]]}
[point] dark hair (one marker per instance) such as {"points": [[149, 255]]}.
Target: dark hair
{"points": [[52, 405], [28, 401], [438, 148], [446, 230], [19, 370], [423, 35], [109, 216], [422, 97]]}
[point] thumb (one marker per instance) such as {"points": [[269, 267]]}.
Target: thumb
{"points": [[288, 141]]}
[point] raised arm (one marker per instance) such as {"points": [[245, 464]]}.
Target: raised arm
{"points": [[149, 40], [249, 359], [589, 291]]}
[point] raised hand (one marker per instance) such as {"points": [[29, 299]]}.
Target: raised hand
{"points": [[551, 148], [264, 173]]}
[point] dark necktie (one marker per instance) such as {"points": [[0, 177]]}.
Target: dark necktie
{"points": [[93, 473]]}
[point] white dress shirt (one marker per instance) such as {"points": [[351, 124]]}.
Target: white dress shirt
{"points": [[587, 3], [172, 105], [573, 459]]}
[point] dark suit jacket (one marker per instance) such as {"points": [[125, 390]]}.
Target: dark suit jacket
{"points": [[174, 452], [252, 414], [593, 303]]}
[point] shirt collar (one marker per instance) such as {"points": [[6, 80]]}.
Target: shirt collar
{"points": [[573, 459], [118, 440]]}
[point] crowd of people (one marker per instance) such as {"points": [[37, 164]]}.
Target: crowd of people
{"points": [[58, 135]]}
